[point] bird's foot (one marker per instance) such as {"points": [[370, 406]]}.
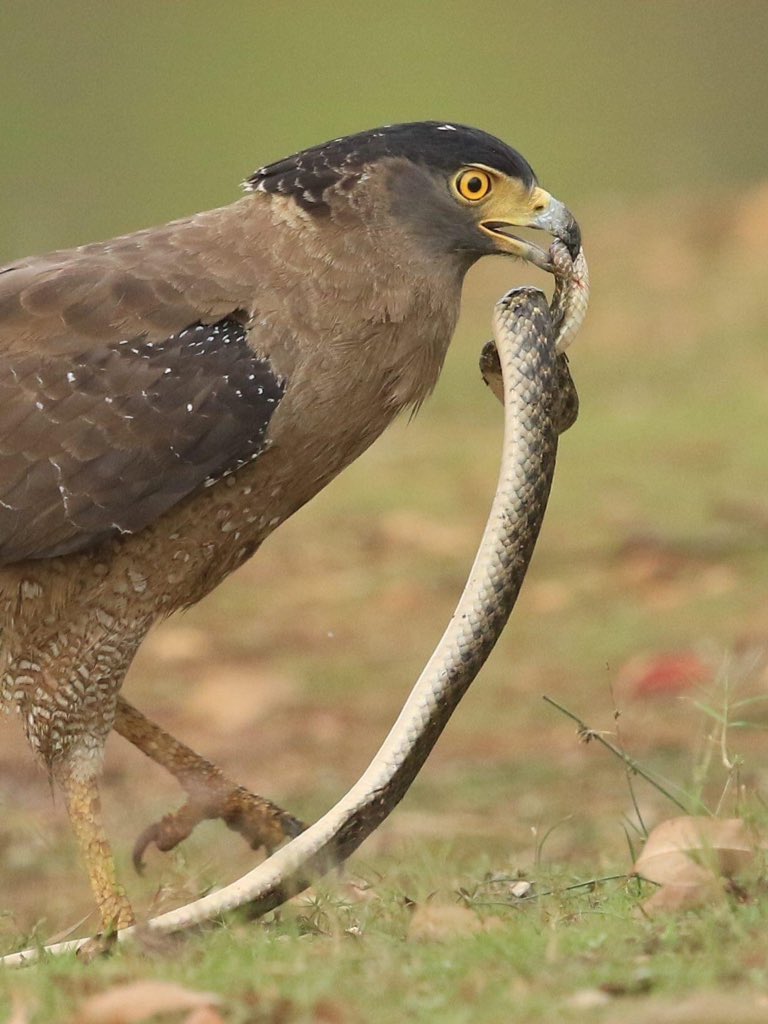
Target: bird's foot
{"points": [[116, 913], [98, 946], [259, 822]]}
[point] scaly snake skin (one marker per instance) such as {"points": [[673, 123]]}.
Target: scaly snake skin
{"points": [[539, 403]]}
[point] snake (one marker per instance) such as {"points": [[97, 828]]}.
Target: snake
{"points": [[526, 367]]}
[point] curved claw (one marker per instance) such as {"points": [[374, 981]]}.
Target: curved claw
{"points": [[260, 822], [165, 834]]}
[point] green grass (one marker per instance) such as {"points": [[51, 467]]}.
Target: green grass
{"points": [[349, 952]]}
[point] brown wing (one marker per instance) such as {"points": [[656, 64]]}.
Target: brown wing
{"points": [[107, 419]]}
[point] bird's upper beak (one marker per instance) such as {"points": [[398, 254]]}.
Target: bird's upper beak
{"points": [[541, 211]]}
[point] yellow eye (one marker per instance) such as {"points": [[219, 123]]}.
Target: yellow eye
{"points": [[473, 184]]}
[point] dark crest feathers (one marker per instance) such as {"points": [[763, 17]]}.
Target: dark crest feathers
{"points": [[440, 145]]}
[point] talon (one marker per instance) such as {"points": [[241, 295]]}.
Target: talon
{"points": [[258, 821], [139, 848], [100, 945], [165, 834], [103, 943]]}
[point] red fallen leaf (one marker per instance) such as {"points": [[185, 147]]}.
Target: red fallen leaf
{"points": [[664, 675]]}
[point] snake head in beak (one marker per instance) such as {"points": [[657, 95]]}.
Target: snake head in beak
{"points": [[558, 220], [541, 211]]}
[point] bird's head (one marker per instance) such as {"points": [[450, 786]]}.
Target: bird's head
{"points": [[454, 191]]}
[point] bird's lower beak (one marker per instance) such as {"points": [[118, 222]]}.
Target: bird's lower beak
{"points": [[548, 214]]}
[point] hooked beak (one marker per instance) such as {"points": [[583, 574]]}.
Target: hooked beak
{"points": [[548, 214], [558, 220]]}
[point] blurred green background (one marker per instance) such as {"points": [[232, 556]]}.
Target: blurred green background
{"points": [[120, 114]]}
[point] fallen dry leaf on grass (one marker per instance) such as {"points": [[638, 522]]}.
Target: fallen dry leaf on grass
{"points": [[688, 858], [143, 1000]]}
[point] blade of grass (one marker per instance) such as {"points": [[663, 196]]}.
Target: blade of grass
{"points": [[587, 734]]}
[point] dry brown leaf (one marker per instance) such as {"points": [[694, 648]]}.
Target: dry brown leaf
{"points": [[721, 844], [142, 1000], [672, 898], [438, 922], [689, 856]]}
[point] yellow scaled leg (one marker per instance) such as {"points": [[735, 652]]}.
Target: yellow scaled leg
{"points": [[84, 807]]}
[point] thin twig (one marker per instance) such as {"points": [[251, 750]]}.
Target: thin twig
{"points": [[627, 770], [588, 734]]}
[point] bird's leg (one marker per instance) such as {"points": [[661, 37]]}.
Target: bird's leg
{"points": [[64, 681], [84, 807], [211, 794]]}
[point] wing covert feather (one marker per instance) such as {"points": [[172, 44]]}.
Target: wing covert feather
{"points": [[104, 441]]}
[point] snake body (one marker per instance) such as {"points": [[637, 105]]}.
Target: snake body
{"points": [[540, 402]]}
